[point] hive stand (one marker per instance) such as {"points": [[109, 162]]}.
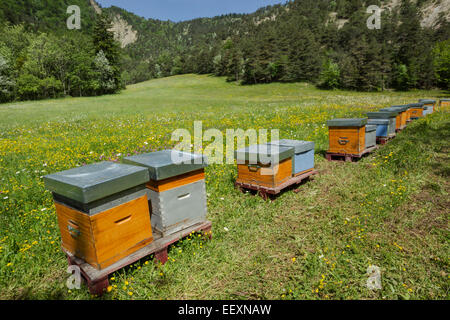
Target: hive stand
{"points": [[384, 140], [97, 280], [348, 157], [266, 192]]}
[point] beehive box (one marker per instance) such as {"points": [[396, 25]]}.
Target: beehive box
{"points": [[416, 110], [386, 115], [176, 189], [102, 210], [429, 104], [398, 116], [404, 114], [264, 165], [427, 110], [381, 127], [444, 102], [303, 159], [371, 136], [347, 136]]}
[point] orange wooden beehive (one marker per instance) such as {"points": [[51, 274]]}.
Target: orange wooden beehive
{"points": [[347, 136], [258, 166], [105, 238], [102, 209], [416, 110], [444, 103]]}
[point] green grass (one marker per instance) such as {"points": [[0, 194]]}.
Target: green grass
{"points": [[390, 209]]}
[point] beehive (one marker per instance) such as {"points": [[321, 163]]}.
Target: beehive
{"points": [[398, 116], [429, 104], [371, 136], [347, 136], [386, 115], [381, 127], [404, 114], [303, 159], [176, 189], [264, 165], [444, 102], [427, 110], [102, 210], [416, 110]]}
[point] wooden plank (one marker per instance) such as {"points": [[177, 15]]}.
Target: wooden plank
{"points": [[158, 244], [175, 182], [279, 188], [349, 157]]}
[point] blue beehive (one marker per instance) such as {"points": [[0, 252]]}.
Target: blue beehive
{"points": [[382, 127], [303, 159], [385, 115]]}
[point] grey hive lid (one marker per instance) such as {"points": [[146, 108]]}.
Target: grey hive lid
{"points": [[395, 111], [416, 105], [263, 153], [427, 101], [96, 181], [168, 163], [371, 128], [401, 108], [298, 145], [444, 99], [381, 115], [378, 121], [357, 122]]}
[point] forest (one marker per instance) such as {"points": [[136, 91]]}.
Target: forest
{"points": [[301, 40]]}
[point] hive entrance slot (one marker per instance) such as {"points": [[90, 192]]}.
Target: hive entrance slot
{"points": [[123, 220]]}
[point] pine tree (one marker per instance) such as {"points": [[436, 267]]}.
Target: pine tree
{"points": [[105, 45]]}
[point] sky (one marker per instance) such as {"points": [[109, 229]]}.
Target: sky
{"points": [[180, 10]]}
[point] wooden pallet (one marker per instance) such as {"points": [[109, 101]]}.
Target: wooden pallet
{"points": [[384, 140], [97, 280], [266, 192], [348, 157]]}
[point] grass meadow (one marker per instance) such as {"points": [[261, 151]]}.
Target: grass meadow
{"points": [[390, 209]]}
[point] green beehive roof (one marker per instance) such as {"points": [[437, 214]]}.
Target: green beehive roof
{"points": [[427, 101], [96, 181], [395, 111], [401, 108], [264, 153], [445, 99], [357, 122], [381, 115], [416, 105], [298, 145], [168, 163]]}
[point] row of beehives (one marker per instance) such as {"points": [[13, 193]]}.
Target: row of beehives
{"points": [[107, 211], [357, 136]]}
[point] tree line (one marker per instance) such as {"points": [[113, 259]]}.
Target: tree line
{"points": [[37, 65], [299, 42], [323, 42]]}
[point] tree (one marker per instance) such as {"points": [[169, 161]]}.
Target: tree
{"points": [[441, 61], [7, 85], [107, 51], [329, 76]]}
